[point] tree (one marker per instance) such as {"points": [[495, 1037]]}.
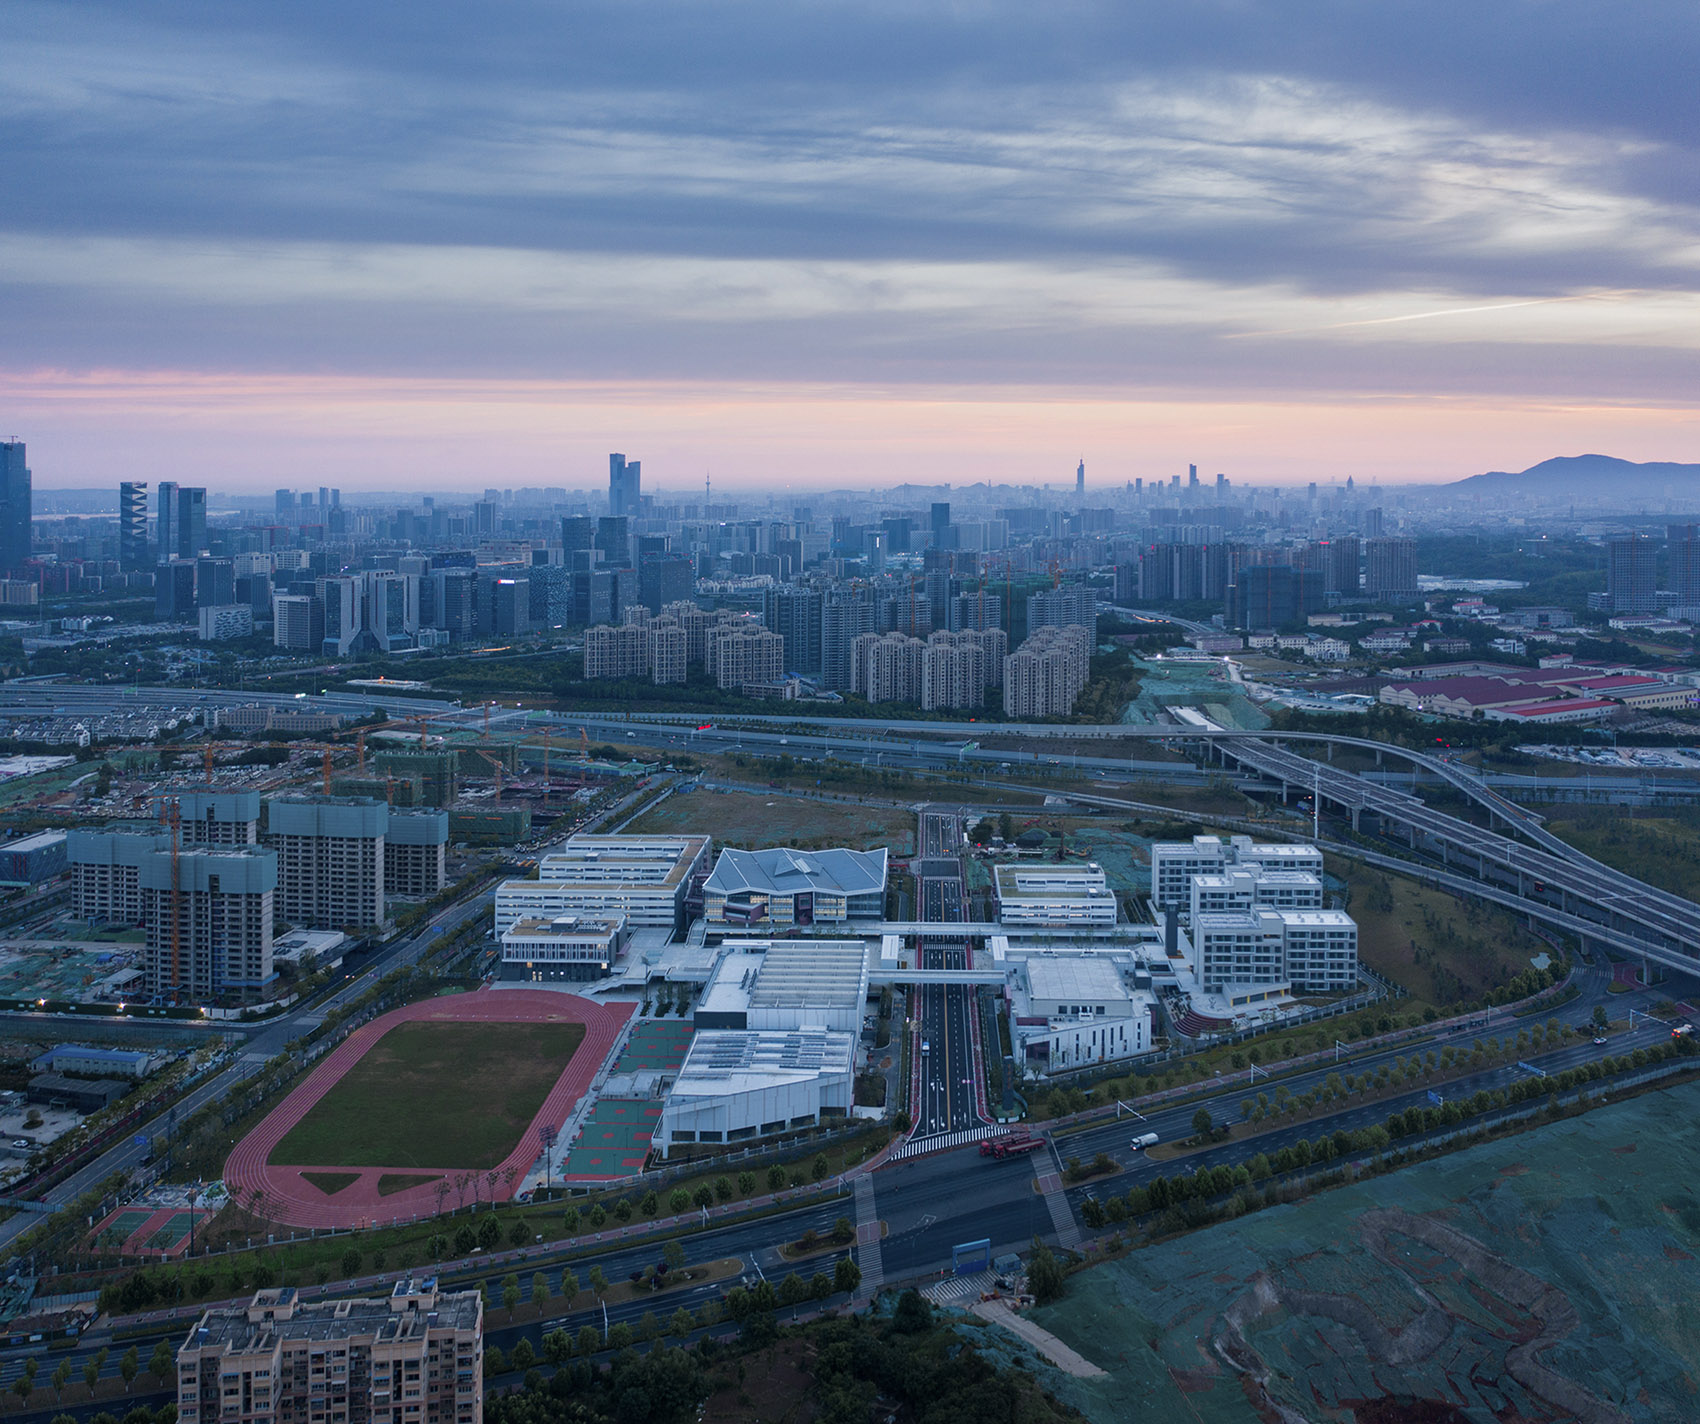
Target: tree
{"points": [[557, 1347], [569, 1221], [597, 1217], [900, 1122], [649, 1325], [650, 1203], [820, 1169], [746, 1183], [162, 1363], [846, 1275], [622, 1211], [539, 1288], [620, 1337], [1045, 1276], [703, 1196], [350, 1262], [519, 1233], [62, 1375], [91, 1373], [792, 1291], [842, 1230], [673, 1253], [598, 1282], [723, 1188], [130, 1366], [678, 1201], [1201, 1122], [569, 1286], [1600, 1018], [775, 1178], [588, 1340], [490, 1232], [681, 1323], [495, 1362], [466, 1240], [510, 1291], [523, 1356], [912, 1313]]}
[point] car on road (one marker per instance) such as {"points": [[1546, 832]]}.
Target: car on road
{"points": [[926, 1046], [1599, 1039], [23, 1144]]}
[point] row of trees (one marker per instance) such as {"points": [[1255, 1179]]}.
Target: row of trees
{"points": [[1168, 1204]]}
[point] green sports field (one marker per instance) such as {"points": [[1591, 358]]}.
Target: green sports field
{"points": [[432, 1094]]}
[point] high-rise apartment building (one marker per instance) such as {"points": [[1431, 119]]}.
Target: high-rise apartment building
{"points": [[616, 651], [415, 1358], [330, 860], [1632, 575], [940, 525], [1684, 546], [216, 817], [208, 915], [625, 486], [132, 525], [415, 853], [1044, 676], [954, 671], [741, 656], [1071, 605], [1390, 569], [106, 869], [888, 667], [795, 614], [15, 507], [843, 619]]}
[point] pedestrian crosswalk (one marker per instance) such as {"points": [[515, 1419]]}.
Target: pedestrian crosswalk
{"points": [[959, 1288], [1062, 1214], [869, 1257], [917, 1145]]}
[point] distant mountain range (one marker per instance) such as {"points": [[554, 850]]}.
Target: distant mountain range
{"points": [[1589, 478]]}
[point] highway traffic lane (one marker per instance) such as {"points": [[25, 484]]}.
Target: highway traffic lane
{"points": [[1174, 1124]]}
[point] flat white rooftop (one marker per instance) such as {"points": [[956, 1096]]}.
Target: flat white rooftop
{"points": [[723, 1061]]}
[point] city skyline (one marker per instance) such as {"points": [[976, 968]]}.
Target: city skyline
{"points": [[845, 248]]}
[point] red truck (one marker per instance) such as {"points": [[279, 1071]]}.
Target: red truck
{"points": [[1012, 1144]]}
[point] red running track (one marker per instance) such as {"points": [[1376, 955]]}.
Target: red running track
{"points": [[289, 1198]]}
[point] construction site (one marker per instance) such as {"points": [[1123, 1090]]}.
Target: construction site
{"points": [[1534, 1277]]}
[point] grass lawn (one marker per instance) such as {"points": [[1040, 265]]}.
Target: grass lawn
{"points": [[1663, 848], [1442, 949], [447, 1095], [753, 821]]}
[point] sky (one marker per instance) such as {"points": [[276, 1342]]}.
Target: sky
{"points": [[811, 244]]}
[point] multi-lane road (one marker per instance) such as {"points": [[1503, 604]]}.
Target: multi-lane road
{"points": [[950, 1070]]}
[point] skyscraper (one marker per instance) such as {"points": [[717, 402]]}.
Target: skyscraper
{"points": [[191, 522], [1390, 569], [14, 507], [1632, 575], [1080, 480], [182, 522], [941, 525], [132, 525], [1685, 563], [625, 481]]}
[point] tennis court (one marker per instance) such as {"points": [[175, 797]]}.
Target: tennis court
{"points": [[615, 1140], [655, 1043], [174, 1231]]}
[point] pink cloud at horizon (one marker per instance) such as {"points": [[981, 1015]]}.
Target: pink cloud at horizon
{"points": [[250, 433]]}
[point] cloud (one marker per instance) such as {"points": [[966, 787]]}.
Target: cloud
{"points": [[1301, 197]]}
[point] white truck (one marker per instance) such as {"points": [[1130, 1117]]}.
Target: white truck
{"points": [[1144, 1140]]}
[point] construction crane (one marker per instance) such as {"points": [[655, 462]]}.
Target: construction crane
{"points": [[495, 762]]}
